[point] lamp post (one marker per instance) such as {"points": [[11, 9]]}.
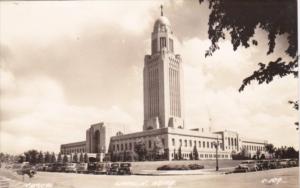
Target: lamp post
{"points": [[216, 144]]}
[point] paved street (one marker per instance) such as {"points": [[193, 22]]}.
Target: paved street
{"points": [[285, 178]]}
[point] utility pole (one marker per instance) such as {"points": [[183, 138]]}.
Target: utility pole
{"points": [[217, 159]]}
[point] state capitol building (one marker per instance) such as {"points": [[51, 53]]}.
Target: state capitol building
{"points": [[163, 115]]}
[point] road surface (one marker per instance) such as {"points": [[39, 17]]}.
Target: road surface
{"points": [[279, 178]]}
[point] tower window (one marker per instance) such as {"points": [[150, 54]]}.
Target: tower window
{"points": [[154, 46], [163, 42], [171, 45]]}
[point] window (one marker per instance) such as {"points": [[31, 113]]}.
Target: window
{"points": [[229, 141], [130, 146], [122, 147], [163, 141], [212, 145], [173, 142], [207, 144], [185, 143], [199, 143], [118, 147], [114, 147], [150, 143], [171, 46], [195, 143], [180, 142], [126, 146], [203, 144], [191, 144], [162, 42], [154, 46]]}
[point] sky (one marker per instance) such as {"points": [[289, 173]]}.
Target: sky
{"points": [[67, 65]]}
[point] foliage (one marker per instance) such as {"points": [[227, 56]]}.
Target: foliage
{"points": [[181, 167], [40, 157], [140, 149], [158, 149], [53, 158], [47, 157], [59, 158], [270, 148], [179, 153], [86, 158], [31, 156], [81, 159], [286, 152], [75, 158], [65, 159], [241, 17], [195, 153]]}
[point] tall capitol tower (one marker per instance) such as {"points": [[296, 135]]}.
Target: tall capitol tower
{"points": [[163, 84]]}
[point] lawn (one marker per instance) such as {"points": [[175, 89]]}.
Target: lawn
{"points": [[208, 164]]}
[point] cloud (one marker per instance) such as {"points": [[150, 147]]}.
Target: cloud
{"points": [[62, 71], [36, 112]]}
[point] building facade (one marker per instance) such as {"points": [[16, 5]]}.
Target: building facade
{"points": [[163, 115]]}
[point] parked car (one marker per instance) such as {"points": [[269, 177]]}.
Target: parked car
{"points": [[82, 168], [41, 167], [246, 166], [125, 168], [113, 169], [283, 163], [100, 168], [26, 168], [292, 162], [274, 164], [91, 167], [71, 167]]}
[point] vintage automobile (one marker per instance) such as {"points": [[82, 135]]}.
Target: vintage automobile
{"points": [[292, 162], [274, 164], [91, 167], [113, 169], [100, 168], [125, 169], [71, 167], [82, 168], [283, 163], [246, 166], [25, 168]]}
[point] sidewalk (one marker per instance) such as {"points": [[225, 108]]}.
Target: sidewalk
{"points": [[184, 172]]}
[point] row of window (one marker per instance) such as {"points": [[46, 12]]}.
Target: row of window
{"points": [[254, 148], [153, 92], [203, 156], [73, 150], [204, 144], [174, 92], [130, 146]]}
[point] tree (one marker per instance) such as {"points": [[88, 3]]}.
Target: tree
{"points": [[59, 159], [195, 153], [179, 153], [65, 159], [241, 17], [31, 156], [86, 158], [158, 149], [140, 149], [53, 158], [81, 159], [270, 149], [75, 158], [98, 157], [258, 152], [41, 157], [47, 157]]}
